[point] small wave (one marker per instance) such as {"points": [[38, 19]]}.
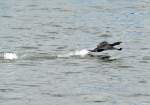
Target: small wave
{"points": [[8, 56]]}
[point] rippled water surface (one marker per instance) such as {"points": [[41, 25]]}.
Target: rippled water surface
{"points": [[40, 30]]}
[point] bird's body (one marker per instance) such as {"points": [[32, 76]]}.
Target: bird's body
{"points": [[106, 46]]}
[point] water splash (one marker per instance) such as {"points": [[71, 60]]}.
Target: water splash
{"points": [[8, 56], [80, 53]]}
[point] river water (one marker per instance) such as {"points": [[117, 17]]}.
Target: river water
{"points": [[37, 31]]}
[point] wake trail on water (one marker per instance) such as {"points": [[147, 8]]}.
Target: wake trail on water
{"points": [[34, 56], [52, 55], [78, 53]]}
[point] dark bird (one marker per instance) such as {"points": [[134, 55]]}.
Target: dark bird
{"points": [[106, 46]]}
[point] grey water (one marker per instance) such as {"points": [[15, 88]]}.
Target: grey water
{"points": [[38, 30]]}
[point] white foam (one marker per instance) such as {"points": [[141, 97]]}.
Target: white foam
{"points": [[81, 53], [10, 56]]}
